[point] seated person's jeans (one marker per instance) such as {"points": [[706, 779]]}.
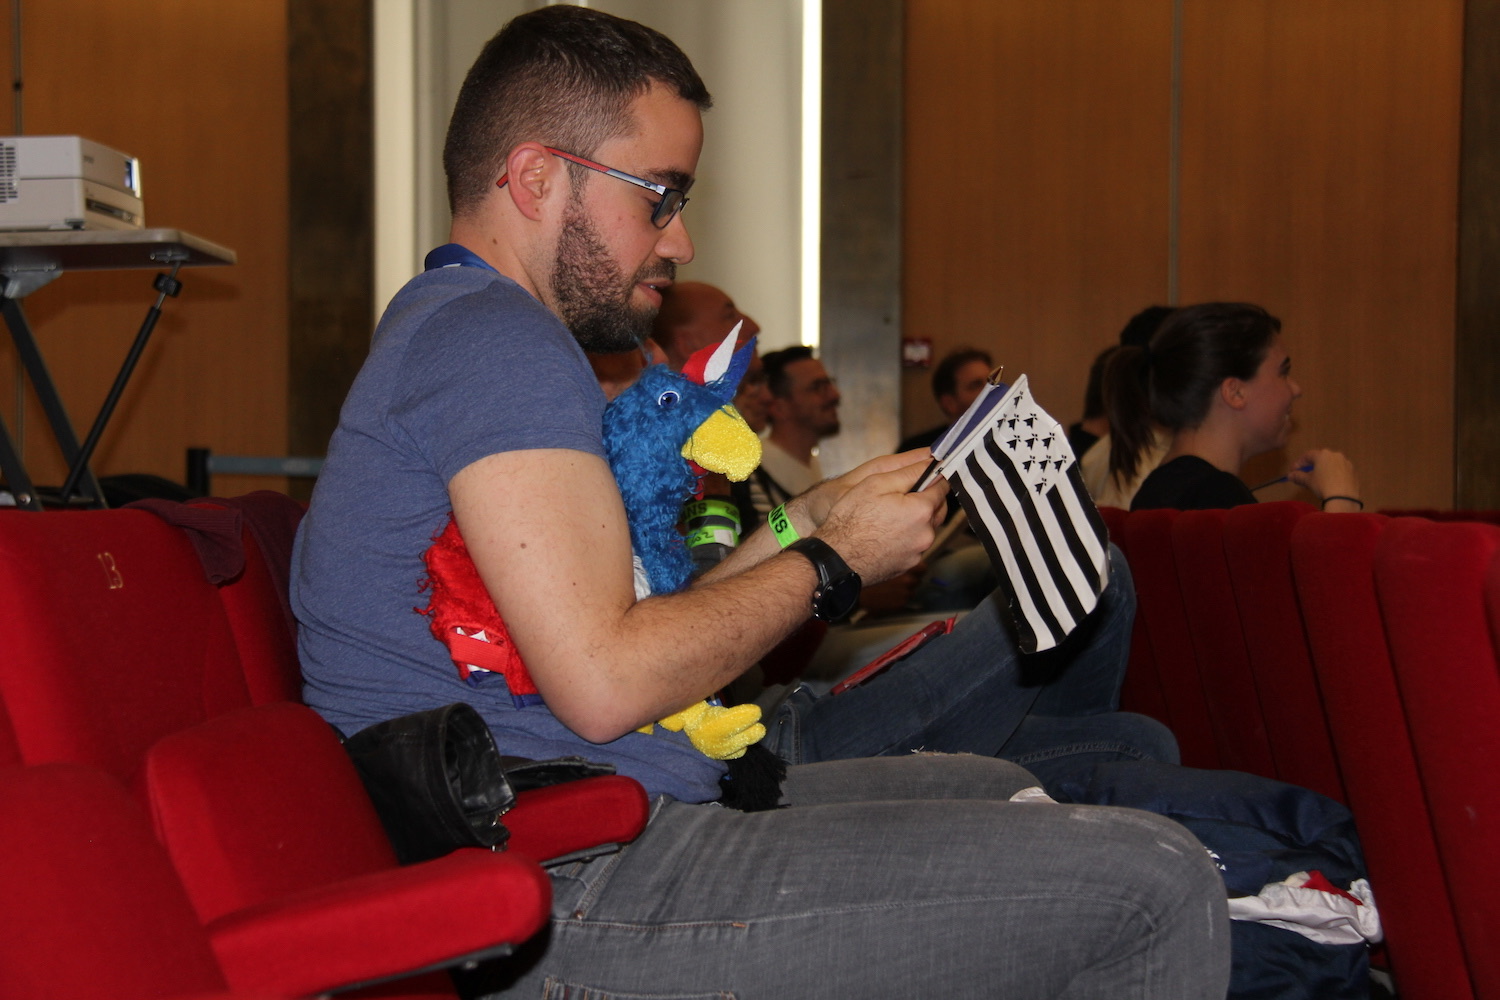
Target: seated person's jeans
{"points": [[973, 691]]}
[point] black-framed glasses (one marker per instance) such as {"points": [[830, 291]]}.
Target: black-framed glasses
{"points": [[672, 199]]}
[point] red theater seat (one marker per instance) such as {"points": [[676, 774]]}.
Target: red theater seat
{"points": [[1430, 580], [1148, 536], [1257, 547], [1141, 690], [284, 858], [1218, 640], [111, 637], [93, 907], [113, 645], [1333, 557]]}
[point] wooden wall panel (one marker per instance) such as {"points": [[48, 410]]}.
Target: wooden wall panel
{"points": [[1477, 348], [1319, 178], [198, 92], [1036, 183]]}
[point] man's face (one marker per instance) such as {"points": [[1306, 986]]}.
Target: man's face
{"points": [[705, 315], [812, 400], [610, 261], [753, 399], [968, 383]]}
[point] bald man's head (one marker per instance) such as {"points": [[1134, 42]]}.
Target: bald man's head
{"points": [[692, 316]]}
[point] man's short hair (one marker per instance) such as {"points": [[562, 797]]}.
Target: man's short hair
{"points": [[945, 375], [564, 76], [776, 364]]}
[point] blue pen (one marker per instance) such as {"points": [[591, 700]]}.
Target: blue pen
{"points": [[1280, 479]]}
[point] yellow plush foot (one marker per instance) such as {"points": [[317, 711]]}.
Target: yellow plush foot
{"points": [[718, 732]]}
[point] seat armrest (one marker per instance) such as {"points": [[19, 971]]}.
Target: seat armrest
{"points": [[386, 925], [561, 821]]}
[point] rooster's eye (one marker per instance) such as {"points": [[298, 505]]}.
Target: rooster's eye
{"points": [[667, 398]]}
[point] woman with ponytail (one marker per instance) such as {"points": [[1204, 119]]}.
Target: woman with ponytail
{"points": [[1218, 380]]}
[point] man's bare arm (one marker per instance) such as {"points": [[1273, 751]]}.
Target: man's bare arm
{"points": [[808, 512], [548, 535]]}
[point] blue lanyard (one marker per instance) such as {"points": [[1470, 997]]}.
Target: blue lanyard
{"points": [[453, 255]]}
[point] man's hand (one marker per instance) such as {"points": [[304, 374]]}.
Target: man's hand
{"points": [[811, 509], [878, 526]]}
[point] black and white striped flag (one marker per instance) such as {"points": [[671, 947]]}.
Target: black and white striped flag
{"points": [[1015, 474]]}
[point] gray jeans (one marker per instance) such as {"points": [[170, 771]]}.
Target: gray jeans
{"points": [[902, 877]]}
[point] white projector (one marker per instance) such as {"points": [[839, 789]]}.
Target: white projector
{"points": [[66, 182]]}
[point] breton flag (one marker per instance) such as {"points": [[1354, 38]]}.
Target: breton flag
{"points": [[1015, 474]]}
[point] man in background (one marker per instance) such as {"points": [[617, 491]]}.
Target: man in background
{"points": [[956, 382], [804, 410]]}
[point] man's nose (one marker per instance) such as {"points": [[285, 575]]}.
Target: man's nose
{"points": [[675, 244]]}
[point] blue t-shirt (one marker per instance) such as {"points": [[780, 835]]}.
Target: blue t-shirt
{"points": [[465, 364]]}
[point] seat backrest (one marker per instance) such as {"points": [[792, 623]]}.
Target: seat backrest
{"points": [[1219, 643], [92, 906], [1148, 536], [261, 804], [1430, 581], [111, 637], [1257, 546], [1141, 690], [1333, 558], [255, 603]]}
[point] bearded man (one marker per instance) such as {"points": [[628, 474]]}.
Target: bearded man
{"points": [[569, 157]]}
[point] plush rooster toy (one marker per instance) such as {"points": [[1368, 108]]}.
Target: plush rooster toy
{"points": [[660, 436]]}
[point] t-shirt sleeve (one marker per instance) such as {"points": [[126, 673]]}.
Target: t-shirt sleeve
{"points": [[485, 377]]}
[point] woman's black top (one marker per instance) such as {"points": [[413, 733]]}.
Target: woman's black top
{"points": [[1189, 483]]}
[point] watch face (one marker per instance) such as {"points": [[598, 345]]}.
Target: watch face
{"points": [[836, 601]]}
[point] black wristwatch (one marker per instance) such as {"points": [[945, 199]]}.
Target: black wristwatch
{"points": [[838, 585]]}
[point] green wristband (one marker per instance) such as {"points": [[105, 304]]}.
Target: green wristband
{"points": [[781, 526], [726, 537], [711, 508]]}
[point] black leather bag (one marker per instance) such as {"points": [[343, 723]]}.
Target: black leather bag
{"points": [[438, 782]]}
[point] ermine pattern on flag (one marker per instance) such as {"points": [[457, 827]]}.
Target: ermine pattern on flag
{"points": [[1019, 483]]}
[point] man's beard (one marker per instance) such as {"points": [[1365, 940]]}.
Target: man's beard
{"points": [[592, 295]]}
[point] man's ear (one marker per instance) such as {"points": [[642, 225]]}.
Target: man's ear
{"points": [[532, 176], [948, 403], [776, 409]]}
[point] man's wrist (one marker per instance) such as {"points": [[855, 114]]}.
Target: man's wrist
{"points": [[780, 523]]}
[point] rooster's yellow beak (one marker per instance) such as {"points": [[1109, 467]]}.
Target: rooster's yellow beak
{"points": [[725, 444]]}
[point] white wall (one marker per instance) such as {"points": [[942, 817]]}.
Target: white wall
{"points": [[745, 213]]}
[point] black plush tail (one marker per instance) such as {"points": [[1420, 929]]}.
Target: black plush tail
{"points": [[753, 782]]}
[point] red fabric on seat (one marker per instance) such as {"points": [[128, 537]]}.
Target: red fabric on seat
{"points": [[1333, 559], [394, 922], [1141, 691], [1159, 604], [285, 860], [550, 823], [256, 601], [9, 752], [92, 907], [1257, 546], [1219, 643], [260, 804], [1430, 580], [267, 646], [110, 637]]}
